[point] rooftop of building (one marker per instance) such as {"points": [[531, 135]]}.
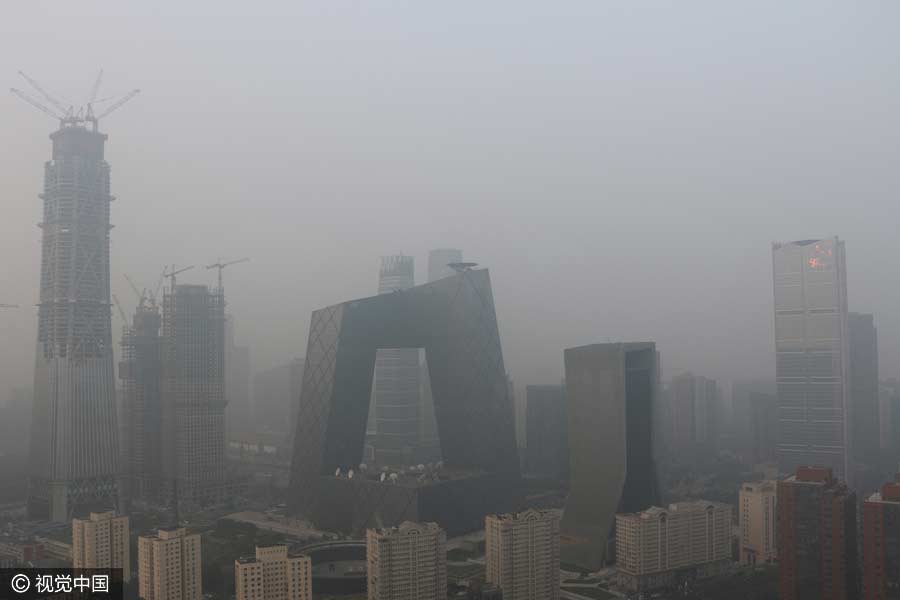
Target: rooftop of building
{"points": [[280, 551], [678, 507], [416, 476], [766, 485], [528, 515], [890, 492], [408, 527], [812, 475]]}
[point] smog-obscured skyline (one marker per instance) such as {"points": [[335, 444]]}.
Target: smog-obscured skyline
{"points": [[621, 169]]}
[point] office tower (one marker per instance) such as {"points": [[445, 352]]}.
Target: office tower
{"points": [[439, 261], [817, 552], [881, 543], [408, 562], [610, 398], [692, 405], [864, 390], [522, 554], [547, 448], [394, 413], [238, 412], [754, 406], [276, 392], [140, 372], [102, 542], [273, 574], [811, 356], [193, 392], [757, 521], [169, 566], [454, 320], [74, 439], [655, 545]]}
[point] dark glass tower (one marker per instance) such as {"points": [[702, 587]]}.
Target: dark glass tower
{"points": [[74, 441]]}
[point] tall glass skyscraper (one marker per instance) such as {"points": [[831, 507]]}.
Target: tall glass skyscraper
{"points": [[811, 355]]}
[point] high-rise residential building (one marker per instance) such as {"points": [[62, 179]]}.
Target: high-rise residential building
{"points": [[408, 562], [169, 566], [755, 421], [692, 403], [757, 521], [655, 545], [881, 543], [140, 372], [817, 542], [238, 410], [547, 427], [273, 574], [193, 393], [864, 395], [812, 365], [610, 399], [522, 554], [394, 411], [74, 438], [102, 542]]}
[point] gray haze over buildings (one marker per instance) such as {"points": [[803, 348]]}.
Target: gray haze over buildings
{"points": [[621, 168]]}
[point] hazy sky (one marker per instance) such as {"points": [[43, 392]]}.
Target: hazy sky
{"points": [[621, 167]]}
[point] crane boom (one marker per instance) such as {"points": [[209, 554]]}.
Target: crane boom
{"points": [[45, 94], [93, 97], [121, 312], [34, 103], [118, 103], [221, 266], [172, 274]]}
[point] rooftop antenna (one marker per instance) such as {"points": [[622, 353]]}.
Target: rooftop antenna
{"points": [[221, 266]]}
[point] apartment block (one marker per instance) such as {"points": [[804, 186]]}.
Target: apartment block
{"points": [[522, 553], [169, 566], [881, 543], [408, 562], [102, 542], [757, 519]]}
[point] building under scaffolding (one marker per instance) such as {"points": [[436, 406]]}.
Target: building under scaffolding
{"points": [[193, 395]]}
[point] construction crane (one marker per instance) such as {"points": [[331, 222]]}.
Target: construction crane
{"points": [[121, 312], [221, 267], [69, 116], [173, 273], [141, 296]]}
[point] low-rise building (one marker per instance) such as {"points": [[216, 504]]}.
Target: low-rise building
{"points": [[657, 546], [273, 574]]}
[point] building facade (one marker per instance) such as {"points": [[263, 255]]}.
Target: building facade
{"points": [[757, 520], [394, 415], [864, 393], [755, 421], [658, 546], [273, 574], [547, 432], [881, 544], [408, 562], [522, 554], [817, 541], [610, 398], [692, 406], [812, 365], [169, 566], [102, 541], [193, 393], [454, 320], [74, 454]]}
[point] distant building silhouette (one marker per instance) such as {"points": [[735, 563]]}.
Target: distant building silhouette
{"points": [[817, 541], [755, 424], [610, 397], [238, 409], [547, 432], [864, 390], [692, 404], [811, 356]]}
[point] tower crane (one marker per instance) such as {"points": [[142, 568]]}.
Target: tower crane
{"points": [[173, 273], [121, 312], [221, 267], [141, 296]]}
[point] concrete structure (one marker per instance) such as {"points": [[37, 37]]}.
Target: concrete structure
{"points": [[273, 574], [692, 406], [454, 320], [757, 521], [394, 415], [610, 395], [522, 554], [817, 542], [193, 393], [74, 439], [881, 543], [169, 566], [864, 394], [140, 372], [812, 363], [408, 562], [546, 432], [102, 541], [658, 546]]}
